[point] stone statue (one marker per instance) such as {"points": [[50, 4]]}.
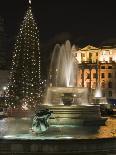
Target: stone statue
{"points": [[40, 121]]}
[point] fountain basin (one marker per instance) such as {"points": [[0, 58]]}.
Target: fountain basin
{"points": [[67, 89], [61, 146], [75, 115], [100, 100], [66, 95]]}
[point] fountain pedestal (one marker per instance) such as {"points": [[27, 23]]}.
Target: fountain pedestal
{"points": [[75, 115], [99, 100], [70, 107]]}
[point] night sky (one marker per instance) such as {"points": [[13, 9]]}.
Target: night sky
{"points": [[84, 20]]}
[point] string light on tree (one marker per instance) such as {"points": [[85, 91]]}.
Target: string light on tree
{"points": [[29, 1], [25, 76]]}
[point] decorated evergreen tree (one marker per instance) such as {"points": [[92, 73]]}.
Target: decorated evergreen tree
{"points": [[24, 87]]}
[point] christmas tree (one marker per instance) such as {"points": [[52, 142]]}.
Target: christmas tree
{"points": [[24, 87]]}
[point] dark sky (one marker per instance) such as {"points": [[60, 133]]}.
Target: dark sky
{"points": [[86, 20]]}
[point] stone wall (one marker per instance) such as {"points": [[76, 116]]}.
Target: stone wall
{"points": [[69, 146]]}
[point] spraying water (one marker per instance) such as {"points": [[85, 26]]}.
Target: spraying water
{"points": [[63, 76], [62, 66], [98, 92]]}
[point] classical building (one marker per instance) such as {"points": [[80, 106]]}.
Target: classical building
{"points": [[97, 67]]}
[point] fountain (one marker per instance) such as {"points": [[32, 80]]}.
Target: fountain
{"points": [[62, 67], [98, 99], [68, 102], [65, 105], [73, 125]]}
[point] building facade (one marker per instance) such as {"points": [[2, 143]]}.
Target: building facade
{"points": [[97, 67]]}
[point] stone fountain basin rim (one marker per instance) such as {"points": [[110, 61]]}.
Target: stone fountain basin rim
{"points": [[67, 89], [73, 106]]}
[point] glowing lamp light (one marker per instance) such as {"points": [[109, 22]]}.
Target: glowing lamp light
{"points": [[4, 88], [25, 106], [29, 1]]}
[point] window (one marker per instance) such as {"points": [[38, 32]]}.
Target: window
{"points": [[102, 75], [103, 84], [109, 75], [102, 67], [110, 59], [82, 54], [109, 84], [110, 93], [109, 67], [94, 75]]}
